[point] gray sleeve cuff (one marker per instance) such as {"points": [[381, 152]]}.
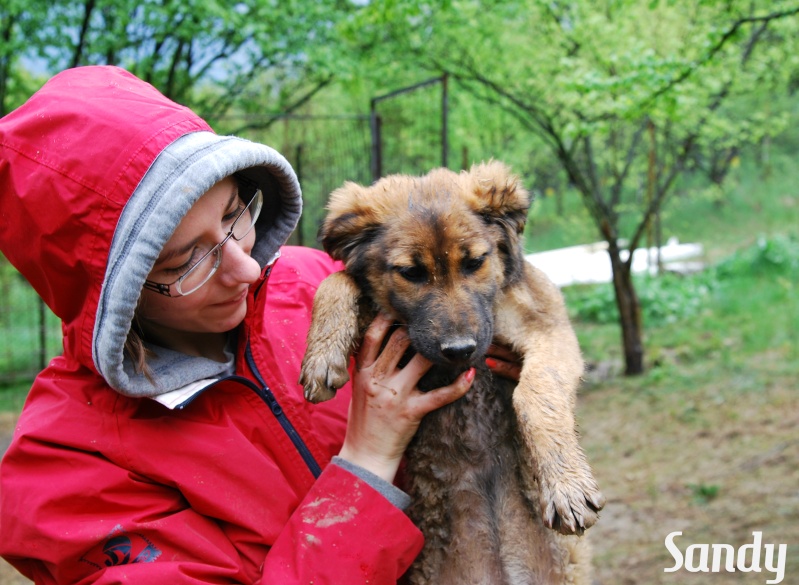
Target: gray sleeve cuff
{"points": [[391, 492]]}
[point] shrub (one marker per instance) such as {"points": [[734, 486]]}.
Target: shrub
{"points": [[671, 297], [776, 255], [664, 299]]}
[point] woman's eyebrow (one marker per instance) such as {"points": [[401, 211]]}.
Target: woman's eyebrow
{"points": [[169, 254], [234, 194]]}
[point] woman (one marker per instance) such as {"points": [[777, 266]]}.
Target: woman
{"points": [[170, 442]]}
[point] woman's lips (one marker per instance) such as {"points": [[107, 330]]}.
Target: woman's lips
{"points": [[235, 300]]}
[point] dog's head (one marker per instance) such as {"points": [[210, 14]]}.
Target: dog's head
{"points": [[433, 251]]}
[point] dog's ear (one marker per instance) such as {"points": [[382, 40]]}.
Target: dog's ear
{"points": [[349, 223], [499, 198]]}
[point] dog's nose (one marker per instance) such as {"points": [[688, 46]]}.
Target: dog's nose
{"points": [[458, 349]]}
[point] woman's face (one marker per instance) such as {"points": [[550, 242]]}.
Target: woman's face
{"points": [[221, 303]]}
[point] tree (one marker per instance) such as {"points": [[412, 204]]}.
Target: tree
{"points": [[213, 56], [16, 26], [623, 94]]}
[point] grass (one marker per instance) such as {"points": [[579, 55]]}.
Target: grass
{"points": [[708, 316], [736, 309], [22, 348]]}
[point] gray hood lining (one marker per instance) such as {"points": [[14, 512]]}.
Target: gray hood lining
{"points": [[180, 175]]}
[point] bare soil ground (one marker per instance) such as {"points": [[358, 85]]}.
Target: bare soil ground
{"points": [[717, 465]]}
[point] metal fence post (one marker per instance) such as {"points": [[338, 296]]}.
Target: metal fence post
{"points": [[376, 161], [42, 335], [444, 119], [300, 231]]}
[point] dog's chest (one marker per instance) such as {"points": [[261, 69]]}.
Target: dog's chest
{"points": [[469, 444]]}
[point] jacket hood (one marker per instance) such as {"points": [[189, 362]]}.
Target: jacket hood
{"points": [[96, 171]]}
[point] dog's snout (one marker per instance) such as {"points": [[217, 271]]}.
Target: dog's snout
{"points": [[458, 349]]}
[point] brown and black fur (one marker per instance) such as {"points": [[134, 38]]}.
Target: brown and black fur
{"points": [[500, 485]]}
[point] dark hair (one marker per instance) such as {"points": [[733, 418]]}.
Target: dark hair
{"points": [[136, 350]]}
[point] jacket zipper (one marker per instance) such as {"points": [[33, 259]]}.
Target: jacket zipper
{"points": [[267, 272], [271, 401]]}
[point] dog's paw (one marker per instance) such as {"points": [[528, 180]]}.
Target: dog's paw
{"points": [[570, 500], [321, 378]]}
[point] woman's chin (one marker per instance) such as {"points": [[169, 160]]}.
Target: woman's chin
{"points": [[228, 317]]}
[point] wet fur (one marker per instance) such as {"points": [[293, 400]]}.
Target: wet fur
{"points": [[442, 254]]}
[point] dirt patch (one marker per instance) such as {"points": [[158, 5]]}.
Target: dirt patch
{"points": [[716, 465], [9, 575]]}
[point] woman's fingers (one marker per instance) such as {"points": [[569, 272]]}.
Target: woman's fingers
{"points": [[417, 367], [372, 340], [503, 353], [386, 406], [426, 402], [384, 362], [389, 358], [504, 362], [509, 370]]}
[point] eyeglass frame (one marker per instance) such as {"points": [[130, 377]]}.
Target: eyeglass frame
{"points": [[164, 289]]}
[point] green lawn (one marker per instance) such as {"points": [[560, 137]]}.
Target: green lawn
{"points": [[723, 220], [724, 316]]}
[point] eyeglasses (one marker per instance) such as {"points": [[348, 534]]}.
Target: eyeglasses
{"points": [[202, 270]]}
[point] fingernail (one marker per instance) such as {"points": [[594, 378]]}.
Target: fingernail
{"points": [[469, 375], [491, 363]]}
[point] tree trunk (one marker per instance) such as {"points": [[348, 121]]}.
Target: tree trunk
{"points": [[629, 313]]}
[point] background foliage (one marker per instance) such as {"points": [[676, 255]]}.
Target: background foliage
{"points": [[621, 103]]}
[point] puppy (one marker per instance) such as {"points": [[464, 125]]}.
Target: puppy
{"points": [[442, 254]]}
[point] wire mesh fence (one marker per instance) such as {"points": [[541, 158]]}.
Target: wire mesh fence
{"points": [[409, 129], [325, 151], [29, 333]]}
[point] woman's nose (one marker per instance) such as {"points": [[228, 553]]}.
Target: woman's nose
{"points": [[237, 265]]}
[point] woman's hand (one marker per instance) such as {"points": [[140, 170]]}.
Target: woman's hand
{"points": [[386, 406], [504, 362]]}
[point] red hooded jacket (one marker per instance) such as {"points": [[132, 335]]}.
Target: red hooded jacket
{"points": [[232, 481]]}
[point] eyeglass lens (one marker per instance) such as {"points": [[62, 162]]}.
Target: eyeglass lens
{"points": [[201, 272]]}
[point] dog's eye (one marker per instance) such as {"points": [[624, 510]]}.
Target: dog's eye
{"points": [[415, 274], [473, 264]]}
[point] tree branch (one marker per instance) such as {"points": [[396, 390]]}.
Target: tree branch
{"points": [[711, 53], [662, 192], [628, 162], [260, 125], [84, 31]]}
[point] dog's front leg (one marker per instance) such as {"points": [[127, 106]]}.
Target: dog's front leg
{"points": [[569, 496], [534, 321], [332, 337]]}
